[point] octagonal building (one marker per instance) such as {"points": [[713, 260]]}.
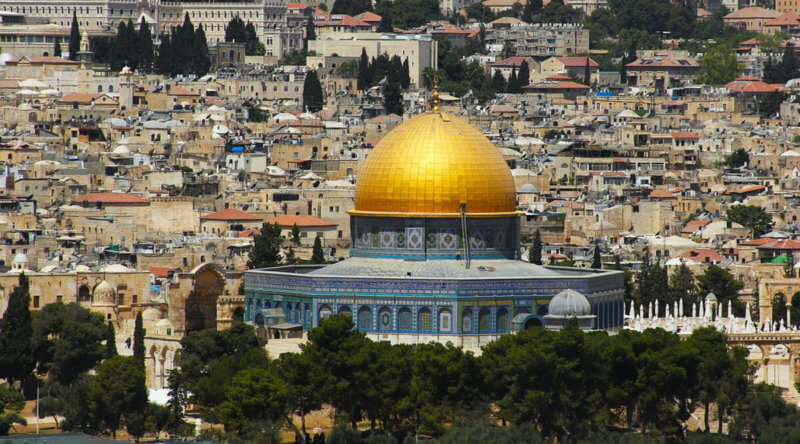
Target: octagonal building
{"points": [[435, 250]]}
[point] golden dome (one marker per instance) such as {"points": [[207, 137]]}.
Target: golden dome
{"points": [[429, 166]]}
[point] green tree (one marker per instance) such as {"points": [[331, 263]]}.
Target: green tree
{"points": [[317, 253], [651, 281], [393, 99], [74, 37], [498, 82], [508, 50], [682, 286], [513, 86], [57, 48], [67, 342], [597, 261], [200, 56], [363, 71], [351, 7], [144, 45], [480, 12], [719, 66], [338, 351], [296, 234], [313, 98], [11, 404], [16, 348], [118, 392], [763, 411], [524, 77], [535, 253], [557, 12], [302, 389], [737, 159], [386, 24], [752, 217], [234, 31], [266, 247], [138, 339], [290, 257], [531, 10], [770, 105], [111, 340], [256, 394], [723, 284]]}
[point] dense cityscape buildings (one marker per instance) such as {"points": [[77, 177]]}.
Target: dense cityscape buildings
{"points": [[347, 206]]}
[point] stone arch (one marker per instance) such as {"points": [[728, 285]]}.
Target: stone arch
{"points": [[532, 322], [484, 321], [84, 294], [404, 319], [794, 308], [324, 312], [778, 308], [346, 311], [466, 320], [425, 319], [201, 305]]}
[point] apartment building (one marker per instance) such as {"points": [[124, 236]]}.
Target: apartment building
{"points": [[541, 40]]}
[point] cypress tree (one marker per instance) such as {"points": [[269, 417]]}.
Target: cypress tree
{"points": [[201, 58], [312, 92], [386, 24], [252, 40], [74, 37], [524, 74], [138, 339], [111, 341], [597, 262], [513, 82], [16, 330], [531, 10], [121, 45], [587, 73], [405, 75], [290, 258], [789, 63], [235, 31], [165, 61], [145, 46], [393, 98], [363, 71], [57, 48], [317, 255], [311, 33], [535, 253], [498, 82]]}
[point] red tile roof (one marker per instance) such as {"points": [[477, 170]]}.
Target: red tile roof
{"points": [[753, 13], [758, 242], [288, 220], [662, 194], [111, 198], [694, 225], [702, 255], [747, 189], [159, 272], [682, 135], [575, 62], [248, 233], [784, 244], [231, 214], [44, 60]]}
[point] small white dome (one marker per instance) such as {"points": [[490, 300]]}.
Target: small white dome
{"points": [[528, 188], [121, 149], [104, 294], [569, 303], [115, 268], [20, 258], [152, 315]]}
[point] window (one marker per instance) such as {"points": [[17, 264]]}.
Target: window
{"points": [[365, 319], [483, 319], [466, 320], [404, 319], [59, 298], [502, 319], [444, 320], [424, 320], [324, 312], [36, 302], [346, 311]]}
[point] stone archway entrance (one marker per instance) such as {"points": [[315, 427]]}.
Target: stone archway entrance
{"points": [[201, 305], [770, 289]]}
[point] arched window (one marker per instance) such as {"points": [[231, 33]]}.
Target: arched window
{"points": [[404, 319], [346, 310], [308, 319], [483, 319], [424, 319], [445, 320], [324, 312], [365, 319], [385, 319], [466, 320], [502, 319]]}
